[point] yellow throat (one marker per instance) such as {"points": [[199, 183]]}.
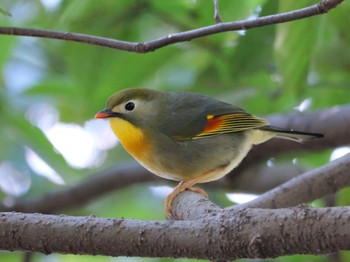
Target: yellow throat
{"points": [[131, 137]]}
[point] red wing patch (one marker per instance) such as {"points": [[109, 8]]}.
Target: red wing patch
{"points": [[230, 123]]}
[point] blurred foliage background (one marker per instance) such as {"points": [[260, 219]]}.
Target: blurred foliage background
{"points": [[50, 89]]}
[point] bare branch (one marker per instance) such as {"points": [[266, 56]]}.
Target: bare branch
{"points": [[190, 205], [259, 178], [250, 233], [302, 189], [307, 187], [84, 192], [322, 7], [255, 180], [217, 16]]}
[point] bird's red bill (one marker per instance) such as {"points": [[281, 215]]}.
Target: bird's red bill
{"points": [[102, 114]]}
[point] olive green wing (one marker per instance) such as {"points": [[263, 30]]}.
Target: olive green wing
{"points": [[192, 116]]}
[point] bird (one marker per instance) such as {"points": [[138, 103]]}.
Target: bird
{"points": [[187, 137]]}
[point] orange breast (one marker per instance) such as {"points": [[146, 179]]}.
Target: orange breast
{"points": [[131, 137]]}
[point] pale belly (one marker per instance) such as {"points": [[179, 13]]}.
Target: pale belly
{"points": [[186, 162]]}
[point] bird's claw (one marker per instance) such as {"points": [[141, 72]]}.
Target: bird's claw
{"points": [[177, 190]]}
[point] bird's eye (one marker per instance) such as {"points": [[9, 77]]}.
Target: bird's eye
{"points": [[129, 106]]}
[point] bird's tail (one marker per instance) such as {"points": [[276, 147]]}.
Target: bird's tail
{"points": [[293, 135]]}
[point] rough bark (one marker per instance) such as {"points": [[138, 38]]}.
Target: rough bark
{"points": [[302, 189], [250, 233]]}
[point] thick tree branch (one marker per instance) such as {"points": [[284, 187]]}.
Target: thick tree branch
{"points": [[322, 121], [84, 192], [302, 189], [322, 7], [313, 184], [259, 178], [255, 180], [250, 233]]}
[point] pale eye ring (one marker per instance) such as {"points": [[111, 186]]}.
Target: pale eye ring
{"points": [[129, 106]]}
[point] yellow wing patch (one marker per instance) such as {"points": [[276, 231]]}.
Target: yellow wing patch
{"points": [[230, 123]]}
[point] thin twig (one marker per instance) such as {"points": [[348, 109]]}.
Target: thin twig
{"points": [[143, 47], [217, 16]]}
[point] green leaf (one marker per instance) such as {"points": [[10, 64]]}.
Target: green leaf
{"points": [[294, 48]]}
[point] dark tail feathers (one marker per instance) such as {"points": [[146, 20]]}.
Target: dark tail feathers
{"points": [[297, 136]]}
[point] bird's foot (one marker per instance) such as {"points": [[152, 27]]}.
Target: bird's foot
{"points": [[198, 190], [177, 190]]}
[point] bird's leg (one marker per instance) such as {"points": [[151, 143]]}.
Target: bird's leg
{"points": [[187, 185], [198, 190], [182, 186]]}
